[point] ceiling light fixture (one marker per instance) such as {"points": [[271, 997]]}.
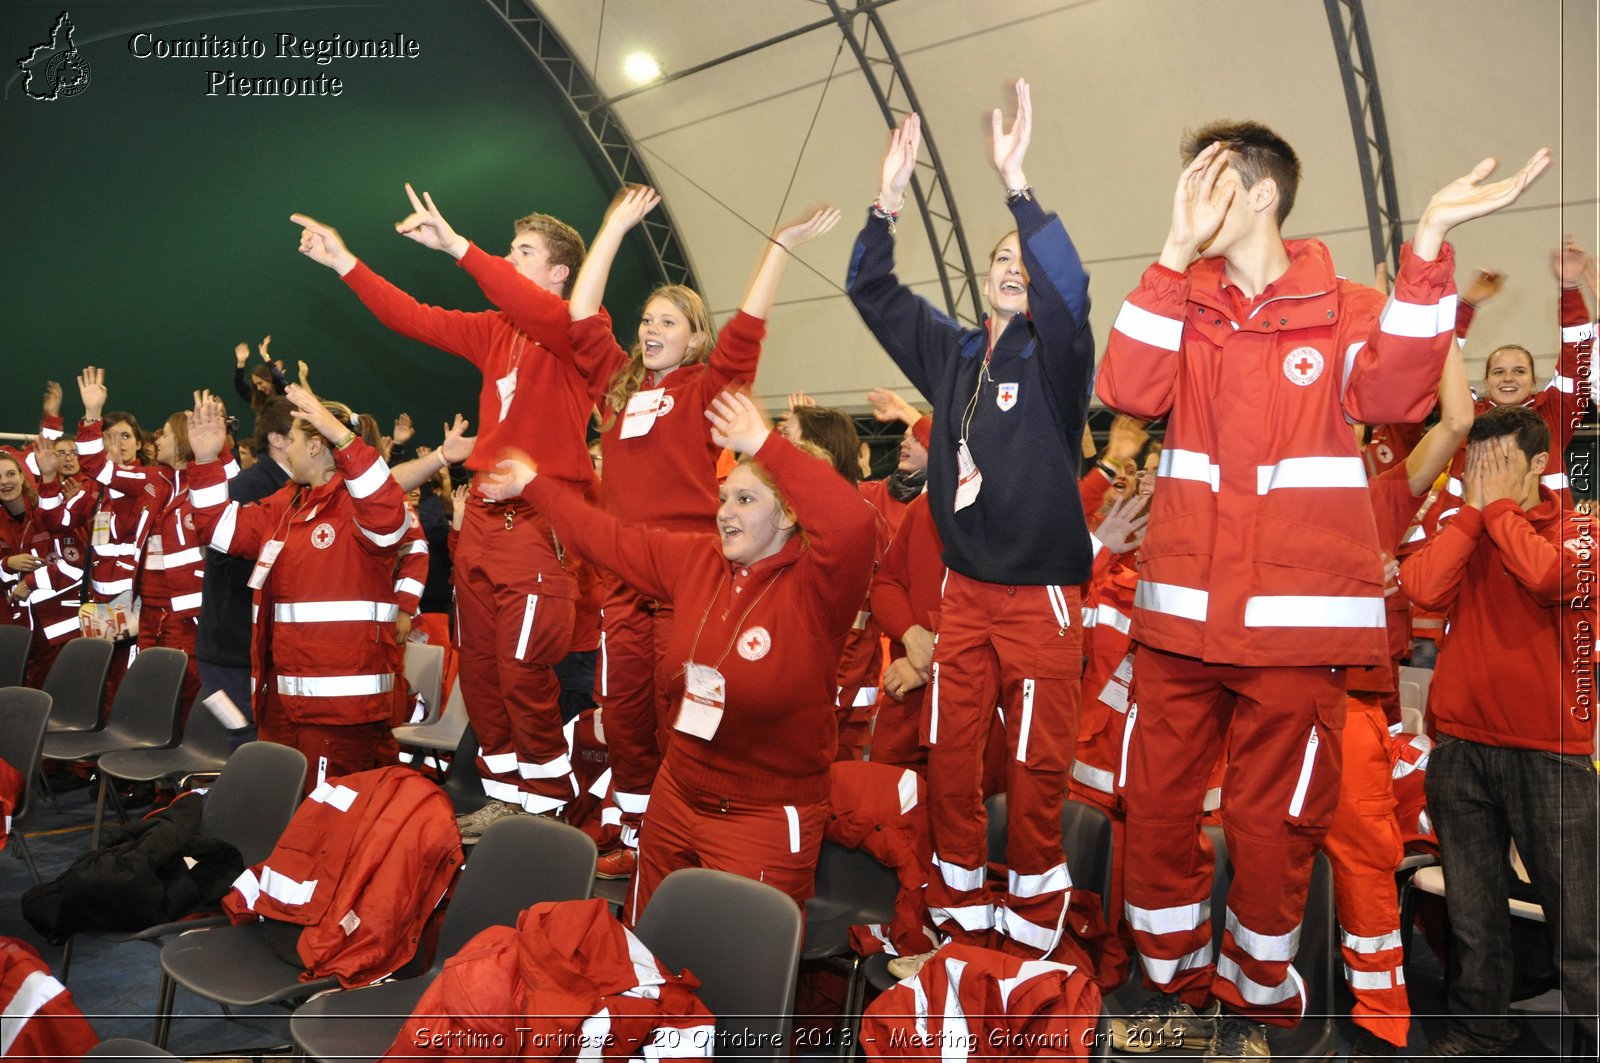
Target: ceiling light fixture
{"points": [[641, 68]]}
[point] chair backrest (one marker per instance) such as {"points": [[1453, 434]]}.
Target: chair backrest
{"points": [[1411, 720], [1086, 842], [76, 684], [145, 707], [1410, 695], [855, 877], [1423, 677], [23, 713], [518, 862], [204, 733], [15, 641], [424, 674], [741, 939], [254, 798]]}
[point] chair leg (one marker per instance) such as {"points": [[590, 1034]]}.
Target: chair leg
{"points": [[66, 956], [99, 813], [27, 856], [165, 992]]}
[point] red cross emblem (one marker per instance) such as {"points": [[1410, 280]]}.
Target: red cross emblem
{"points": [[322, 536], [755, 644], [1303, 365]]}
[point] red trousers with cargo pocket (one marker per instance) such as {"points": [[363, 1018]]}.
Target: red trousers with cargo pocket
{"points": [[1364, 850], [1019, 647], [1278, 797], [515, 609], [634, 631]]}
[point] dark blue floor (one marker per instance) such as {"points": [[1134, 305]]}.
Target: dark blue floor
{"points": [[115, 985]]}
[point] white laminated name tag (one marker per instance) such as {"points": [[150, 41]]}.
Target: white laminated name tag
{"points": [[1115, 692], [640, 415], [100, 534], [223, 708], [705, 694], [269, 555], [506, 386], [152, 546], [969, 481]]}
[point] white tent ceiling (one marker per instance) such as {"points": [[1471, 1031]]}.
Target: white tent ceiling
{"points": [[1115, 82]]}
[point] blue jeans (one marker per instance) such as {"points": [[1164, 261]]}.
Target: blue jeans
{"points": [[1480, 799]]}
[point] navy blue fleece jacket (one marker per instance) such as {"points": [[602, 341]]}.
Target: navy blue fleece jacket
{"points": [[1025, 429]]}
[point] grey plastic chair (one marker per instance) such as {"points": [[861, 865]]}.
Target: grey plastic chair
{"points": [[76, 684], [424, 670], [144, 715], [462, 781], [519, 862], [852, 888], [203, 751], [741, 939], [23, 712], [440, 735], [248, 807], [15, 642]]}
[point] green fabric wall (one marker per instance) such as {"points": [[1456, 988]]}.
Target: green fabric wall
{"points": [[146, 225]]}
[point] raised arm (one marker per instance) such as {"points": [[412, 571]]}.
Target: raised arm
{"points": [[380, 505], [627, 210], [917, 337], [454, 331], [644, 557], [455, 449], [1575, 369], [1139, 373], [220, 523], [839, 524], [1438, 446]]}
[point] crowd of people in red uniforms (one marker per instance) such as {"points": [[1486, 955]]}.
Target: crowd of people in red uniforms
{"points": [[1204, 627]]}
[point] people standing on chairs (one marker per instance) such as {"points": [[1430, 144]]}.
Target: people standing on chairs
{"points": [[1260, 577], [762, 612], [1009, 401], [662, 464], [324, 546]]}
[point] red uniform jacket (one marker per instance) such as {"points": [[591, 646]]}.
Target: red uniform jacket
{"points": [[884, 812], [537, 391], [361, 866], [773, 629], [1516, 668], [41, 1021], [1261, 549], [972, 1003], [668, 475], [324, 618], [567, 982]]}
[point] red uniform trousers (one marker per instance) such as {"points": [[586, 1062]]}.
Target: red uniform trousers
{"points": [[861, 677], [633, 637], [775, 844], [1279, 792], [1096, 771], [1020, 647], [1364, 849], [331, 750], [515, 609], [159, 626]]}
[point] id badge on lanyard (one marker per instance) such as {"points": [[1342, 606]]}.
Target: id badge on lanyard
{"points": [[969, 481], [100, 535], [264, 562], [640, 415], [705, 695]]}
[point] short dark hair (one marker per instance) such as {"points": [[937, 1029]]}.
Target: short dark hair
{"points": [[1533, 435], [275, 415], [1258, 152], [834, 432]]}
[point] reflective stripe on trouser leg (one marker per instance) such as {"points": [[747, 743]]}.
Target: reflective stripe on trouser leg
{"points": [[1275, 821], [1168, 758], [628, 700], [1363, 847]]}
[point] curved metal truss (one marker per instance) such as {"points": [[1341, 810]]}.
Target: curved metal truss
{"points": [[610, 138], [1348, 21], [930, 185]]}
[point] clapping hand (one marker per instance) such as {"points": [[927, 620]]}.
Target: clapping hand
{"points": [[737, 422]]}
